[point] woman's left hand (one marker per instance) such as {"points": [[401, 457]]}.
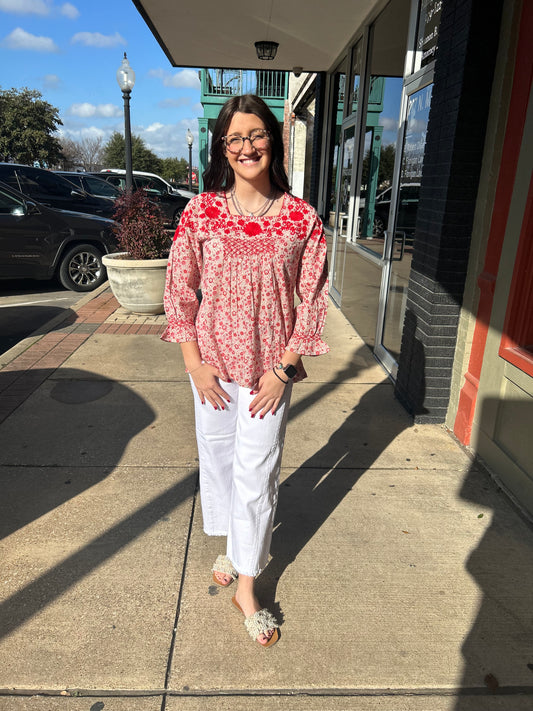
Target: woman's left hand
{"points": [[269, 393]]}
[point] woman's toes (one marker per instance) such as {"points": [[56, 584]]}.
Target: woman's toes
{"points": [[265, 638]]}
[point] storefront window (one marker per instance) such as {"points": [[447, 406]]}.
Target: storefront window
{"points": [[356, 76], [339, 85], [414, 144], [382, 121]]}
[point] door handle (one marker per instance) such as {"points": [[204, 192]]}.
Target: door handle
{"points": [[398, 237]]}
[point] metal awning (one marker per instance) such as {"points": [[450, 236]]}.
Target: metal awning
{"points": [[311, 33]]}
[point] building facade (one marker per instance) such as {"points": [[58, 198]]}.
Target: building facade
{"points": [[431, 254], [410, 130]]}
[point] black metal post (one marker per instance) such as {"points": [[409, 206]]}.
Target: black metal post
{"points": [[190, 167], [127, 139]]}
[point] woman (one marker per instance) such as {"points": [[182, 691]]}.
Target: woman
{"points": [[249, 246]]}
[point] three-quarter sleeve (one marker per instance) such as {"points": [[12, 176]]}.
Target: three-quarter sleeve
{"points": [[182, 282], [312, 290]]}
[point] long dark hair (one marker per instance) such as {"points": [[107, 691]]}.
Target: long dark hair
{"points": [[218, 175]]}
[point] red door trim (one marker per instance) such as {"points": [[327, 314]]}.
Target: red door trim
{"points": [[523, 71]]}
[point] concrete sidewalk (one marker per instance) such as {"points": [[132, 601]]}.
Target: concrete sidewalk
{"points": [[401, 574]]}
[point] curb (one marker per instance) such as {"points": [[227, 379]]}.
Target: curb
{"points": [[43, 330]]}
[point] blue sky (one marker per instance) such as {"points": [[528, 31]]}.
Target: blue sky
{"points": [[70, 52]]}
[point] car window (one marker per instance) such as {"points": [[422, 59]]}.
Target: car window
{"points": [[74, 180], [117, 181], [10, 205], [10, 178], [151, 185], [100, 187], [45, 184]]}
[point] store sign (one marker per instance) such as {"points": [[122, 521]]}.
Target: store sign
{"points": [[428, 30], [415, 135]]}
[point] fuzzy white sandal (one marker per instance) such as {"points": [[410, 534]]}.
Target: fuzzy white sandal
{"points": [[260, 623], [224, 565]]}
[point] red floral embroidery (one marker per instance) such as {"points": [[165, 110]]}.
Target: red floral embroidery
{"points": [[212, 211], [234, 247], [249, 270], [252, 229]]}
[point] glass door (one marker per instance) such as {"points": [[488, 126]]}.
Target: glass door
{"points": [[373, 129], [343, 211], [344, 173], [402, 223]]}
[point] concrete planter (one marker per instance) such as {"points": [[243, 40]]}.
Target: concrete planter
{"points": [[138, 284]]}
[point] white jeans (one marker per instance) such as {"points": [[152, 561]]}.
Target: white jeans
{"points": [[240, 460]]}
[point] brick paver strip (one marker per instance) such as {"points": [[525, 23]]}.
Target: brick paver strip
{"points": [[103, 314]]}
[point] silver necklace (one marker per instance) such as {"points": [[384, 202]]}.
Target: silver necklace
{"points": [[261, 210]]}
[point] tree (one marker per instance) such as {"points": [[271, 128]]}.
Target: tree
{"points": [[27, 128], [87, 153], [174, 169], [385, 168], [386, 164], [142, 158]]}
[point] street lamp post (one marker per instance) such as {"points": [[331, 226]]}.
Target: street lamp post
{"points": [[190, 141], [126, 81]]}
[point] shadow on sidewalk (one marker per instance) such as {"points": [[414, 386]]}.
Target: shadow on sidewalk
{"points": [[41, 469], [19, 322], [310, 495], [497, 651]]}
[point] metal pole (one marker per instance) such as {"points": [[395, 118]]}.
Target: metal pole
{"points": [[127, 139], [190, 167]]}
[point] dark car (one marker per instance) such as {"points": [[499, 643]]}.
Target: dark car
{"points": [[40, 242], [52, 190], [170, 202], [91, 184]]}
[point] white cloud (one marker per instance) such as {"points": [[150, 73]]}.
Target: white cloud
{"points": [[169, 140], [154, 127], [20, 39], [25, 7], [96, 39], [184, 79], [86, 132], [86, 110], [51, 81], [389, 124], [70, 11]]}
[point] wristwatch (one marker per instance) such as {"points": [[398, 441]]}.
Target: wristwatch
{"points": [[289, 370]]}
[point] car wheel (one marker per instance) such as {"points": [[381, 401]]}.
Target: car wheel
{"points": [[176, 218], [379, 227], [81, 268]]}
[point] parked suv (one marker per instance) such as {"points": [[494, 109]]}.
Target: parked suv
{"points": [[40, 242], [90, 184], [172, 202], [52, 190]]}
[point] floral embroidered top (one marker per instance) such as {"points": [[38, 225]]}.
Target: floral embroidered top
{"points": [[248, 270]]}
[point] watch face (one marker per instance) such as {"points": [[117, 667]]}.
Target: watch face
{"points": [[290, 371]]}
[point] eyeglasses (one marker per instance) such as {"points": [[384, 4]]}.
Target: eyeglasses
{"points": [[260, 140]]}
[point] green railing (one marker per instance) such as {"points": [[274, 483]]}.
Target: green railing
{"points": [[234, 82]]}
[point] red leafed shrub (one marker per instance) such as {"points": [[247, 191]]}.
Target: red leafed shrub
{"points": [[140, 228]]}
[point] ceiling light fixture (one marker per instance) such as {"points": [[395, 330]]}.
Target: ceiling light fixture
{"points": [[266, 49]]}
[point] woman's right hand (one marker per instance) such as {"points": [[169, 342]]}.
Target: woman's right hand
{"points": [[206, 379]]}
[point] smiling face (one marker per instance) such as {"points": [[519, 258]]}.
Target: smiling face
{"points": [[251, 164]]}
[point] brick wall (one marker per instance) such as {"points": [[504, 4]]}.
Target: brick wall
{"points": [[468, 42]]}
